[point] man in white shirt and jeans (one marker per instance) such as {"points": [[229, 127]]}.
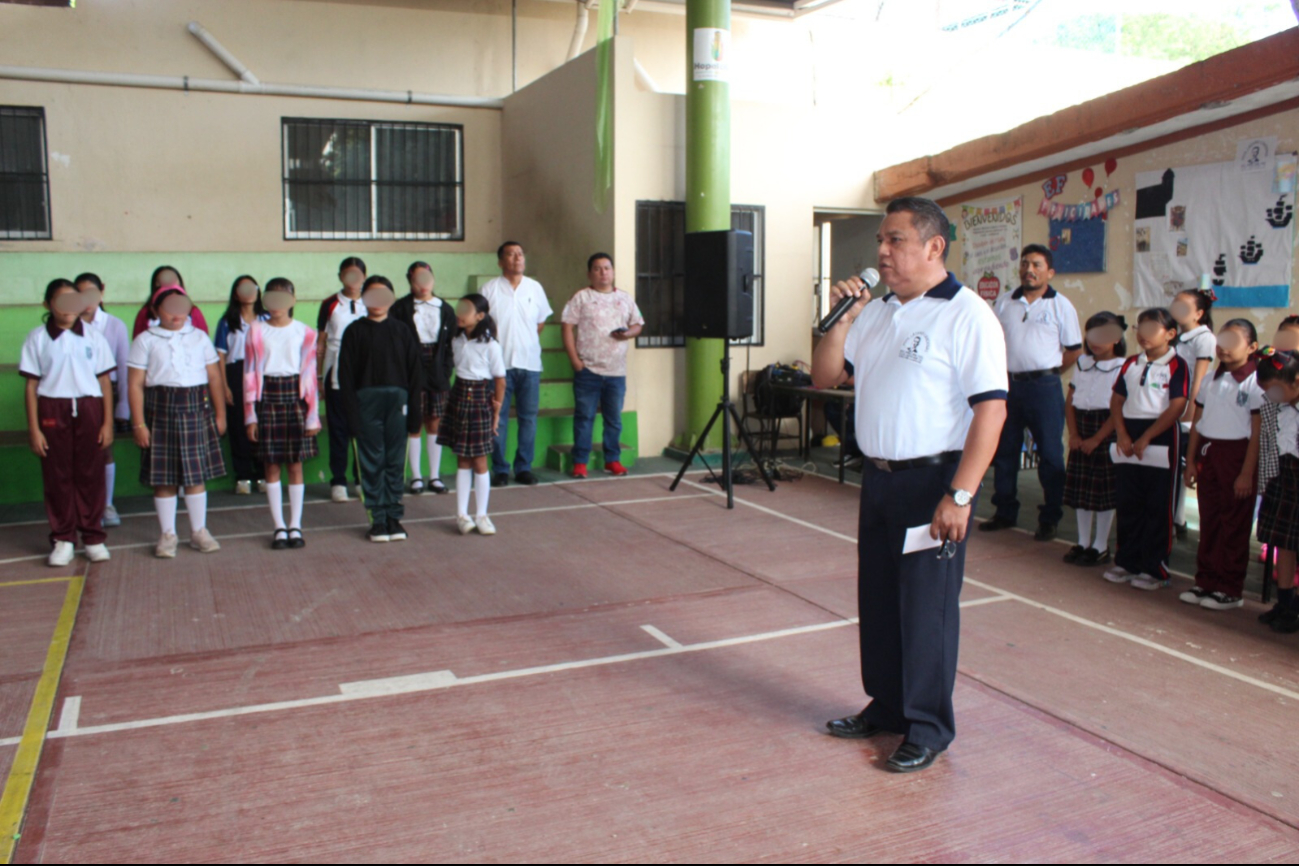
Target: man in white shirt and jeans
{"points": [[520, 309]]}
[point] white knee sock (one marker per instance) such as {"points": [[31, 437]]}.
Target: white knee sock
{"points": [[275, 498], [413, 454], [110, 478], [1085, 527], [166, 508], [434, 456], [297, 492], [464, 481], [196, 505], [482, 490], [1104, 520]]}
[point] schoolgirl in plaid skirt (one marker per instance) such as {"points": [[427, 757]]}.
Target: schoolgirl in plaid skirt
{"points": [[474, 409], [1278, 519], [178, 413], [281, 405], [433, 323], [1089, 475]]}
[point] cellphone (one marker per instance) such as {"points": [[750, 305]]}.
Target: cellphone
{"points": [[616, 331]]}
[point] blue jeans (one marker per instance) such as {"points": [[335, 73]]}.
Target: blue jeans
{"points": [[1037, 404], [592, 391], [523, 388]]}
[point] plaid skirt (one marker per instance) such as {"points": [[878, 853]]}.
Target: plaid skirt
{"points": [[1089, 478], [1278, 521], [1268, 455], [435, 402], [184, 447], [282, 423], [467, 423]]}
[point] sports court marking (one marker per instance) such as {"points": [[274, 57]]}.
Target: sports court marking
{"points": [[18, 786]]}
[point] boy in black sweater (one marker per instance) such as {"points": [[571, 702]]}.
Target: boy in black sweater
{"points": [[379, 377]]}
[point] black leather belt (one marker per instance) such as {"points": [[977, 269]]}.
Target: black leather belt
{"points": [[900, 465], [1034, 374]]}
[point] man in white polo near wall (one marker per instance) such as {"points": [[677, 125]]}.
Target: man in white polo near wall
{"points": [[520, 309]]}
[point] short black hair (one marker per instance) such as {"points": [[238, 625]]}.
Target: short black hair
{"points": [[352, 262], [88, 277], [377, 280], [595, 257], [500, 251], [1100, 320], [927, 216], [1245, 326], [1041, 251], [1160, 315]]}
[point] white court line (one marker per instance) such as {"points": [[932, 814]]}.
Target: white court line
{"points": [[660, 637], [71, 713], [413, 520], [1177, 654], [437, 680]]}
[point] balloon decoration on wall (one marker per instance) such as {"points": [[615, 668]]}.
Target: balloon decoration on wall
{"points": [[1110, 165], [1088, 176]]}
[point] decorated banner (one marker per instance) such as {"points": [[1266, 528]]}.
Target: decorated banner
{"points": [[1098, 207], [1222, 219], [990, 252]]}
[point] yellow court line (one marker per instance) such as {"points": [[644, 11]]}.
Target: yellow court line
{"points": [[36, 580], [13, 802]]}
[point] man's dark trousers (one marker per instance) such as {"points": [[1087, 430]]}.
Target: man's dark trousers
{"points": [[1037, 404]]}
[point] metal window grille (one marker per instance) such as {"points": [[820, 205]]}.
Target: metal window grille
{"points": [[660, 270], [373, 180], [24, 175]]}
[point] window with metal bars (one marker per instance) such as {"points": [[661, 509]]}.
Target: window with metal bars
{"points": [[24, 175], [660, 270], [373, 180]]}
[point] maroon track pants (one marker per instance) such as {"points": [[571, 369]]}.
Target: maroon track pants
{"points": [[73, 468], [1225, 521]]}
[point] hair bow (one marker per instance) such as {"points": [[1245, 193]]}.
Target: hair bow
{"points": [[1210, 294]]}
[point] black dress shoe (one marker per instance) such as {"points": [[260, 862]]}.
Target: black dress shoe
{"points": [[1274, 613], [996, 524], [853, 728], [1076, 553], [296, 541], [1094, 557], [280, 541], [526, 477], [1045, 532], [501, 479], [911, 758]]}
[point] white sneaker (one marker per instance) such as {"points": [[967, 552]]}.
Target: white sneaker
{"points": [[338, 493], [62, 554], [1146, 582], [98, 553], [1221, 601], [261, 485], [465, 524], [166, 548], [485, 525], [243, 488], [1118, 575], [1194, 595], [203, 542], [111, 517]]}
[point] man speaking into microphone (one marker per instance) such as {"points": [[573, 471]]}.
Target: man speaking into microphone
{"points": [[929, 364]]}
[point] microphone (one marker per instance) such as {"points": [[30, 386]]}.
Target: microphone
{"points": [[871, 278]]}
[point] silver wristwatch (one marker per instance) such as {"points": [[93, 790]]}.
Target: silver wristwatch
{"points": [[962, 498]]}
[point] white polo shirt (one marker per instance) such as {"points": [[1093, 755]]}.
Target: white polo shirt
{"points": [[1287, 429], [1093, 383], [920, 368], [1197, 344], [517, 313], [1149, 386], [477, 361], [1037, 332], [428, 319], [67, 363], [342, 311], [1229, 400], [173, 359]]}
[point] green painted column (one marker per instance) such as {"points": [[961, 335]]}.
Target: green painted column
{"points": [[708, 182]]}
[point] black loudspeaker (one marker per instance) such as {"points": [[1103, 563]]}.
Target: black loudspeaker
{"points": [[719, 285]]}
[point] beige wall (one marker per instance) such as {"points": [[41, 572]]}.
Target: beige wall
{"points": [[1113, 289]]}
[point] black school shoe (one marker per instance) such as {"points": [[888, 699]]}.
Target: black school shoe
{"points": [[1287, 622], [1076, 553], [912, 758], [280, 540], [396, 532], [296, 541], [378, 532], [500, 479], [1274, 613], [1092, 556], [1045, 532], [526, 477]]}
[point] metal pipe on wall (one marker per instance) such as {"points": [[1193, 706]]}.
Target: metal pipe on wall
{"points": [[200, 33]]}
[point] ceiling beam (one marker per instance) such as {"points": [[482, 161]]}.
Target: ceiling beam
{"points": [[1221, 78]]}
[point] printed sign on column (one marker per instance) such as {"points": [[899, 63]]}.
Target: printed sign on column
{"points": [[712, 56], [990, 252]]}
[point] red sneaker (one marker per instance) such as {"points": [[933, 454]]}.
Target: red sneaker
{"points": [[579, 470], [615, 468]]}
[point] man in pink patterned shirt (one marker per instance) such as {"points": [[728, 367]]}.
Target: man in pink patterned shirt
{"points": [[605, 318]]}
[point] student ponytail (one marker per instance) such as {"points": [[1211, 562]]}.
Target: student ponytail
{"points": [[1275, 365], [485, 331]]}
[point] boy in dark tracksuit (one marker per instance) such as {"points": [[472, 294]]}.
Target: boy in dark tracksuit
{"points": [[380, 380]]}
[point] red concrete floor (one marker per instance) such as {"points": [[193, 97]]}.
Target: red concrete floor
{"points": [[501, 699]]}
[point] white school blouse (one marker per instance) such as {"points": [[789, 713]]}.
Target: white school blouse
{"points": [[1093, 383], [283, 348], [1287, 430], [1149, 386], [428, 319], [172, 359], [477, 361], [1229, 401], [67, 363]]}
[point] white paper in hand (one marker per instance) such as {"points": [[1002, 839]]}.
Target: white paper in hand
{"points": [[1156, 457], [918, 539]]}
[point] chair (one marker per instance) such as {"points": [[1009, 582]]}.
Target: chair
{"points": [[770, 429]]}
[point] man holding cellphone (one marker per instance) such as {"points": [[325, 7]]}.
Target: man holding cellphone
{"points": [[605, 318]]}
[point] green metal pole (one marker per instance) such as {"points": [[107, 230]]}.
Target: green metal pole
{"points": [[708, 182]]}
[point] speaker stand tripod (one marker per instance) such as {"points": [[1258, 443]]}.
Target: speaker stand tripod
{"points": [[726, 411]]}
